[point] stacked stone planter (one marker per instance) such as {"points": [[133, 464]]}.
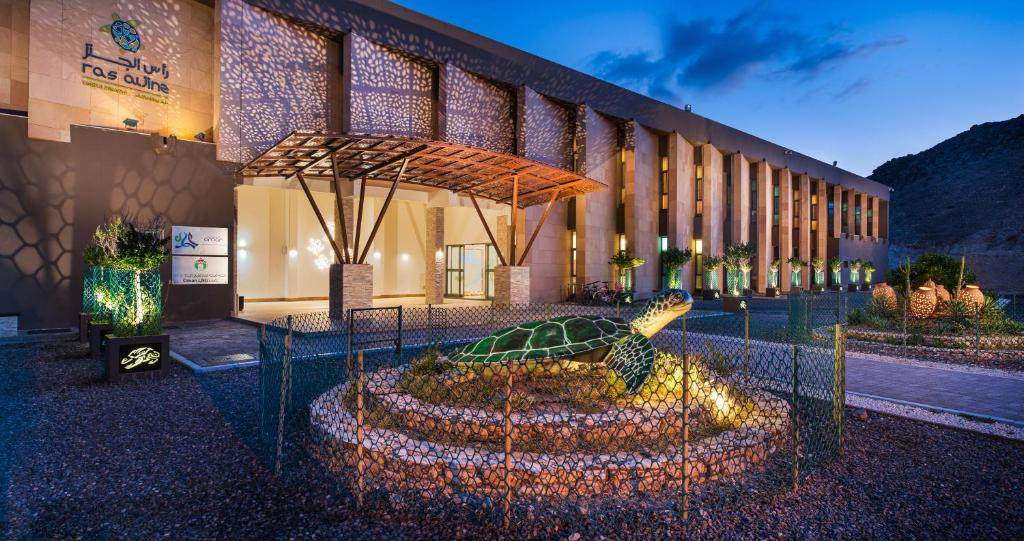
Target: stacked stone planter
{"points": [[438, 450]]}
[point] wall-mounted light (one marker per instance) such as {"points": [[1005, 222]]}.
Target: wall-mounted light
{"points": [[242, 243], [131, 123], [405, 257], [376, 255], [439, 255], [293, 253]]}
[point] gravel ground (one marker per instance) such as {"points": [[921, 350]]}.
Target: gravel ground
{"points": [[83, 459], [1008, 360]]}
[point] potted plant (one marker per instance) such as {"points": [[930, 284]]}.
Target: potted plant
{"points": [[737, 269], [818, 266], [869, 269], [136, 347], [624, 263], [795, 264], [673, 261], [855, 266], [836, 266], [773, 279], [711, 266]]}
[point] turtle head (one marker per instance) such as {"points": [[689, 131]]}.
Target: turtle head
{"points": [[665, 306]]}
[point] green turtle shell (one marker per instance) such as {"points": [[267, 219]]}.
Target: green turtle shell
{"points": [[558, 338]]}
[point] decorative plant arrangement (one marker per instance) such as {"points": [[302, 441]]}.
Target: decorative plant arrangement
{"points": [[935, 317], [737, 267], [711, 266], [795, 264], [818, 265], [132, 252], [97, 302], [836, 266], [673, 260]]}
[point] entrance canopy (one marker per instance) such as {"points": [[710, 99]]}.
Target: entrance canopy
{"points": [[469, 171], [461, 169]]}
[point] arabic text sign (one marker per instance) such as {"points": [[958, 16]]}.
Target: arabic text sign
{"points": [[123, 72], [198, 270], [187, 240]]}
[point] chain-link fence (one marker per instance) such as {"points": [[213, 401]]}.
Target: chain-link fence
{"points": [[543, 414]]}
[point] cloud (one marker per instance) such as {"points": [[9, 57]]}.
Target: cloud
{"points": [[851, 89], [708, 54]]}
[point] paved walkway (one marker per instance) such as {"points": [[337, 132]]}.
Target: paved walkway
{"points": [[981, 394]]}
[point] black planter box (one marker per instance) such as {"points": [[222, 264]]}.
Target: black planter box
{"points": [[98, 338], [733, 304], [137, 357], [835, 287], [771, 292], [853, 287], [817, 289], [83, 326], [710, 294], [867, 287]]}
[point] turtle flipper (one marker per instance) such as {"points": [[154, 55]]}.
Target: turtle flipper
{"points": [[632, 358]]}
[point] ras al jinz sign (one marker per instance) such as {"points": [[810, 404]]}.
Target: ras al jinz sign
{"points": [[199, 255], [125, 73]]}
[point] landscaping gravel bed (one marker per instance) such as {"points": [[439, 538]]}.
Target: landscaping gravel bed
{"points": [[83, 459], [1012, 360]]}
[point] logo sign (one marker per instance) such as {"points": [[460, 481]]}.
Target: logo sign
{"points": [[186, 240], [124, 72], [139, 358], [192, 270], [125, 33]]}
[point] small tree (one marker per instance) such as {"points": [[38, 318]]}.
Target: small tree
{"points": [[137, 249], [795, 264], [673, 260], [818, 264], [625, 262], [737, 266]]}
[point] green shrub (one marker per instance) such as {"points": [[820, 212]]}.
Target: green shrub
{"points": [[941, 269]]}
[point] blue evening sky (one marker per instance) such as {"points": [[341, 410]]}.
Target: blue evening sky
{"points": [[858, 82]]}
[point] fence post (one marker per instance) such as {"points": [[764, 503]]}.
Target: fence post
{"points": [[906, 308], [839, 378], [977, 334], [282, 399], [795, 414], [746, 343], [360, 433], [506, 507], [685, 504]]}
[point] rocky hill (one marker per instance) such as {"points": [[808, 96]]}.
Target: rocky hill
{"points": [[965, 195]]}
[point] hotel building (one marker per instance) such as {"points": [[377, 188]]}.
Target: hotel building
{"points": [[416, 135]]}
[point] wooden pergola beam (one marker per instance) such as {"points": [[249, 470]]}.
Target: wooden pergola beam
{"points": [[536, 230], [383, 210], [341, 212], [388, 163], [515, 218], [320, 217], [487, 228]]}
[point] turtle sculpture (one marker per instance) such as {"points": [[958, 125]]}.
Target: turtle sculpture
{"points": [[625, 347], [125, 33]]}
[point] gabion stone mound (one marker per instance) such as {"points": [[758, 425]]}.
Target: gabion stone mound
{"points": [[446, 450]]}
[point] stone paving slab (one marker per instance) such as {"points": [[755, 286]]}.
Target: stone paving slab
{"points": [[989, 395], [203, 342]]}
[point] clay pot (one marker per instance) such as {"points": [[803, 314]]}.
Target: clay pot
{"points": [[922, 302], [942, 294], [972, 297], [886, 294]]}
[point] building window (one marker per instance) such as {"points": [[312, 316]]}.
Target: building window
{"points": [[831, 212], [796, 208], [621, 180], [856, 219], [844, 211], [455, 272], [662, 246], [698, 180], [814, 207], [775, 201], [871, 223], [698, 264], [663, 184], [572, 257]]}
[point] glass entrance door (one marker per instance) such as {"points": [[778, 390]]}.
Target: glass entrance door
{"points": [[470, 270]]}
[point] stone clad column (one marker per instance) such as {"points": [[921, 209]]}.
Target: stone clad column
{"points": [[511, 285], [805, 230], [434, 256], [764, 224], [740, 225], [785, 227], [680, 199], [821, 234], [862, 199], [875, 219], [712, 228], [351, 287]]}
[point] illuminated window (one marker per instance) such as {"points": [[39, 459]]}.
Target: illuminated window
{"points": [[663, 183], [698, 180], [698, 264], [572, 256]]}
